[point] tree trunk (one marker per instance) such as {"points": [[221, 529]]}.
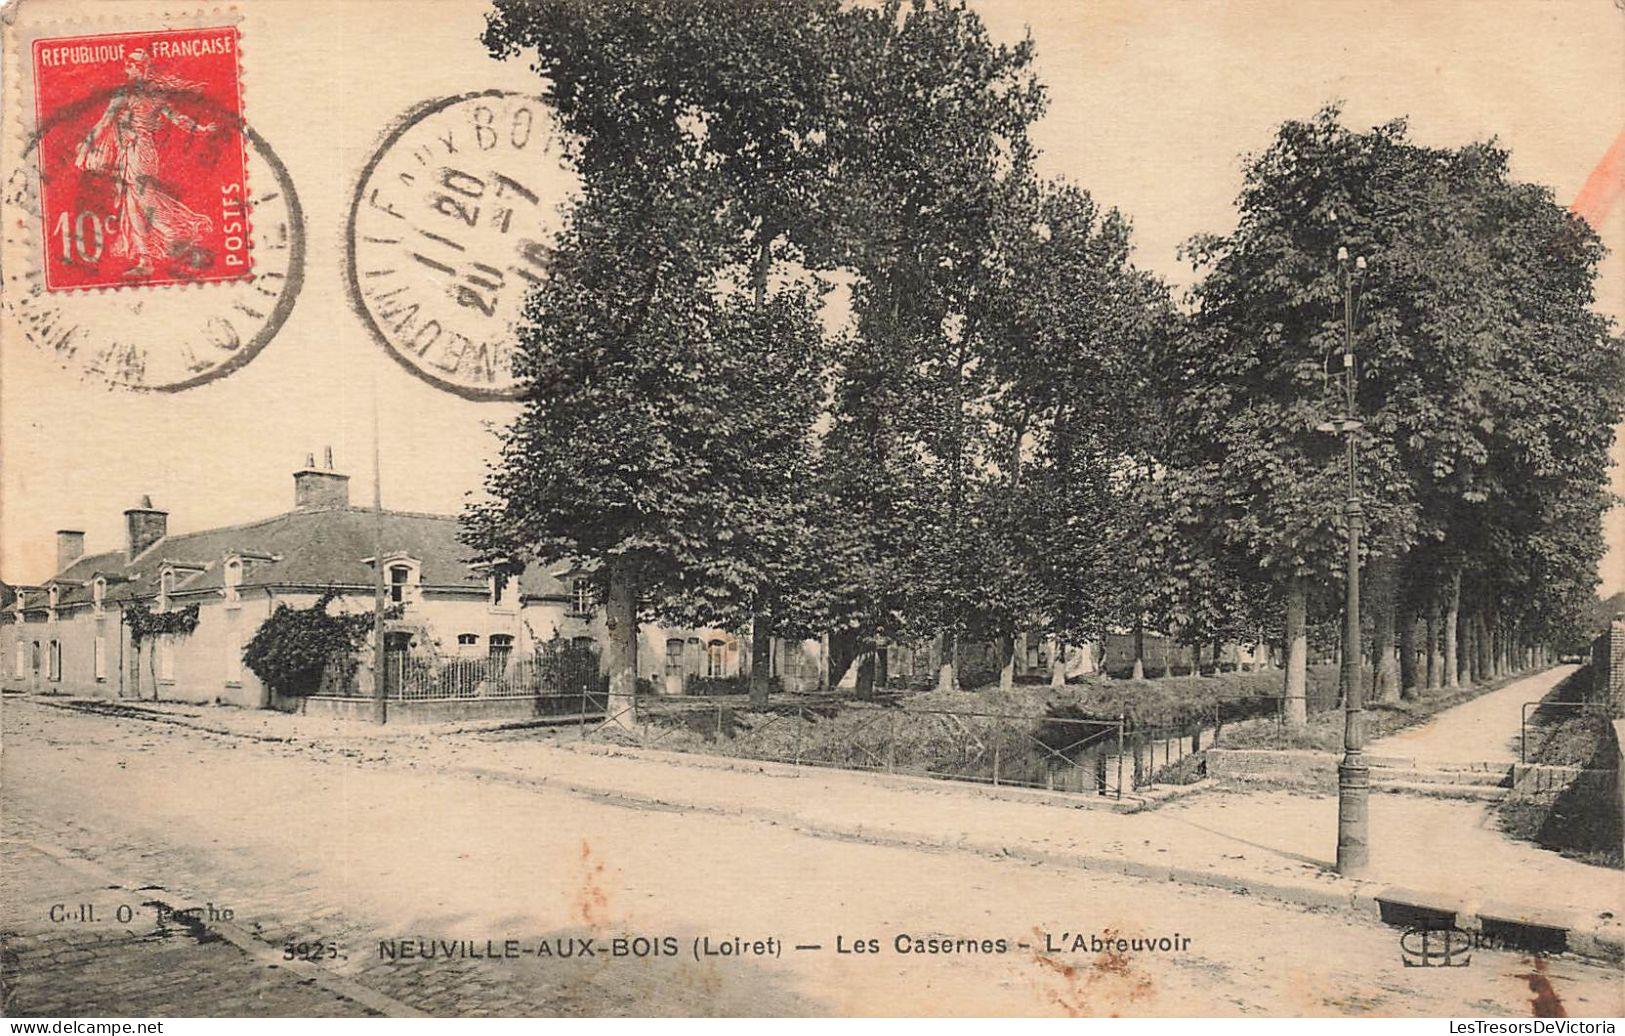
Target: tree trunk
{"points": [[1452, 631], [1007, 673], [843, 649], [865, 684], [1486, 647], [1435, 661], [947, 677], [1468, 663], [882, 664], [1057, 664], [1409, 682], [1385, 672], [761, 660], [620, 655], [1139, 651], [1296, 685]]}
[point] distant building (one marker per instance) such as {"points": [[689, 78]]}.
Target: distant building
{"points": [[69, 634]]}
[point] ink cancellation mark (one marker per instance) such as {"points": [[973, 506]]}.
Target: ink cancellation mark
{"points": [[169, 238], [451, 226]]}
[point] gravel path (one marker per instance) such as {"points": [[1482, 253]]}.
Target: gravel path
{"points": [[1484, 730]]}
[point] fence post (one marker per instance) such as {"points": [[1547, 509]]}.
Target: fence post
{"points": [[1523, 732], [1122, 717], [891, 743], [995, 758]]}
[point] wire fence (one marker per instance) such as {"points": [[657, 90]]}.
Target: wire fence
{"points": [[1076, 755]]}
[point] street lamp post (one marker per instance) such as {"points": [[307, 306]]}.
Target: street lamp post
{"points": [[1353, 775]]}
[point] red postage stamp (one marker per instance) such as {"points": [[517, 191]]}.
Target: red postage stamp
{"points": [[142, 161]]}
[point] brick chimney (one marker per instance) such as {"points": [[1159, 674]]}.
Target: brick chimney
{"points": [[70, 546], [320, 487], [144, 525]]}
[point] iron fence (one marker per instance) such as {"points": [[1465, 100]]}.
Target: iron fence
{"points": [[553, 670]]}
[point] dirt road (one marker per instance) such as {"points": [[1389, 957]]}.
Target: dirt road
{"points": [[372, 864]]}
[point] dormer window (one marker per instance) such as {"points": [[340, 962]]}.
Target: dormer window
{"points": [[583, 596], [98, 592], [231, 577], [400, 578], [166, 586]]}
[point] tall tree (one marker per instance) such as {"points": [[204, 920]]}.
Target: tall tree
{"points": [[934, 135], [1480, 368], [660, 337]]}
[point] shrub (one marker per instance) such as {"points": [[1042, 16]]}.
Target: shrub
{"points": [[294, 647]]}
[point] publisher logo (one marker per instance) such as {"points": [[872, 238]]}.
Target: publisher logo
{"points": [[1436, 946]]}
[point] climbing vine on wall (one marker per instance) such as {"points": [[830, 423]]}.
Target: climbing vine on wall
{"points": [[143, 622], [294, 647]]}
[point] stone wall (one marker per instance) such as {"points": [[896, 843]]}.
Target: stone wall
{"points": [[1619, 780], [1608, 667], [440, 710]]}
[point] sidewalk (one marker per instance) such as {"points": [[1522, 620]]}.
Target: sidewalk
{"points": [[1272, 844]]}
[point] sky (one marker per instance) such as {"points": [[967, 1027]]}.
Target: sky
{"points": [[1152, 107]]}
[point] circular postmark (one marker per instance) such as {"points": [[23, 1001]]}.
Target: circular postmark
{"points": [[451, 225], [152, 249]]}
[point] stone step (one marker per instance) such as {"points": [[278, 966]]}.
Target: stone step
{"points": [[1498, 776], [1470, 792]]}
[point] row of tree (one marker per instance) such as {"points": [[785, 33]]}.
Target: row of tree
{"points": [[822, 352]]}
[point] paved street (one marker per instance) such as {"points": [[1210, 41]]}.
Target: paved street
{"points": [[334, 852], [119, 956]]}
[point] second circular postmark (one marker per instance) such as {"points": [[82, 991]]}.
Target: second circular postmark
{"points": [[451, 225]]}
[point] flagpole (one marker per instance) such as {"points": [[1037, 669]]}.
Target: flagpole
{"points": [[380, 704]]}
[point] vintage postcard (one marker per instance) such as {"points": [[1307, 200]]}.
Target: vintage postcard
{"points": [[812, 508]]}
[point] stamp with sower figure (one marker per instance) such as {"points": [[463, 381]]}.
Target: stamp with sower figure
{"points": [[143, 171], [153, 239]]}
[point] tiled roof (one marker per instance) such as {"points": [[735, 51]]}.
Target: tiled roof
{"points": [[313, 547]]}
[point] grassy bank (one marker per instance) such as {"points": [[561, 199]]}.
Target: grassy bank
{"points": [[1581, 820], [1324, 732]]}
